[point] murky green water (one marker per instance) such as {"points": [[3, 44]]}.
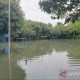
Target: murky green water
{"points": [[40, 60]]}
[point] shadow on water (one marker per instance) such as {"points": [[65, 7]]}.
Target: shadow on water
{"points": [[46, 53]]}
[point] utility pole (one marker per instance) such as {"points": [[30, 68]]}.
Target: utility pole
{"points": [[9, 30]]}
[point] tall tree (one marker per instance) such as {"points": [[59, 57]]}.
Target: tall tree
{"points": [[16, 15]]}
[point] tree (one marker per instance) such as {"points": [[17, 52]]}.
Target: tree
{"points": [[72, 17], [16, 16], [59, 8], [37, 30]]}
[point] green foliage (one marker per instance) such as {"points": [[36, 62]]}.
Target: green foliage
{"points": [[16, 16], [36, 30], [19, 26], [67, 32], [58, 7]]}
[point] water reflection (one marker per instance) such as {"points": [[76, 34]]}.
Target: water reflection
{"points": [[74, 62], [16, 72], [44, 67], [42, 59]]}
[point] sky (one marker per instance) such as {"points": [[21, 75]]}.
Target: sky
{"points": [[33, 12]]}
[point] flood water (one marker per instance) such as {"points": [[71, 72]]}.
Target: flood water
{"points": [[40, 60]]}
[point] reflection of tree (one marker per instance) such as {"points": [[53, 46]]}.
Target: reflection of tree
{"points": [[71, 46], [35, 49], [39, 48], [16, 72], [32, 49]]}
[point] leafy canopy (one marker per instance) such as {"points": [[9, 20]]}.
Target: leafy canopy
{"points": [[59, 7], [16, 15]]}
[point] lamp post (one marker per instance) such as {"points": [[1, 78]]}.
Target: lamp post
{"points": [[9, 25]]}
